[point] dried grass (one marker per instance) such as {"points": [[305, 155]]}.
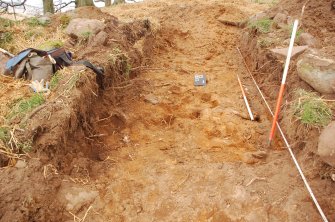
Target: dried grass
{"points": [[10, 146], [25, 36], [7, 95], [78, 219]]}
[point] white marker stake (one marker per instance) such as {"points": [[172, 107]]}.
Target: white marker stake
{"points": [[245, 99], [6, 52]]}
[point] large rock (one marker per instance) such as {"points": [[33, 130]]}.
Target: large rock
{"points": [[326, 147], [80, 27], [99, 40], [3, 61], [280, 20], [76, 198], [257, 17], [281, 53], [308, 39], [44, 20], [318, 72]]}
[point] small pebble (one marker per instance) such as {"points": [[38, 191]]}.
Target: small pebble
{"points": [[20, 164], [259, 154]]}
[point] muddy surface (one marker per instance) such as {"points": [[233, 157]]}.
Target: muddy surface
{"points": [[160, 149]]}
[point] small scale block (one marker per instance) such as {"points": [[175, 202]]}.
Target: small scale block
{"points": [[200, 80]]}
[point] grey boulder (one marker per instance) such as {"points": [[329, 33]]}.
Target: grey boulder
{"points": [[99, 40], [81, 27], [308, 39], [326, 146], [257, 17], [44, 20], [318, 72], [281, 53], [3, 60], [280, 20]]}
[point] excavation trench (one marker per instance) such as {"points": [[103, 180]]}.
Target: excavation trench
{"points": [[156, 148]]}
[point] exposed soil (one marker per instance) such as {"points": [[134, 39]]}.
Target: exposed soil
{"points": [[156, 148], [318, 20]]}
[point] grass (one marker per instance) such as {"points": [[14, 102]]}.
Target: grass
{"points": [[289, 29], [262, 25], [5, 38], [72, 82], [264, 42], [127, 69], [55, 80], [112, 57], [121, 61], [35, 38], [29, 33], [24, 106], [4, 134], [33, 34], [10, 146], [51, 44], [6, 32], [66, 79], [6, 23], [85, 36], [25, 146], [116, 2], [311, 109], [64, 20], [34, 22]]}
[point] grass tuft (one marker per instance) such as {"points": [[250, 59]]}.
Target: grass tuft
{"points": [[65, 20], [35, 38], [117, 2], [4, 134], [311, 109], [5, 38], [264, 42], [34, 22], [121, 61], [24, 106], [51, 44], [6, 23], [289, 30], [25, 146], [85, 36], [262, 25], [32, 34], [55, 80]]}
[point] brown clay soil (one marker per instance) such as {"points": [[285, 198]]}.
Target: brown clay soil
{"points": [[162, 149]]}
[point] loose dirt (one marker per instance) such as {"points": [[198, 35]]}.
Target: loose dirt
{"points": [[164, 150]]}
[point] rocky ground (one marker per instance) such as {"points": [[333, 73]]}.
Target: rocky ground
{"points": [[152, 147]]}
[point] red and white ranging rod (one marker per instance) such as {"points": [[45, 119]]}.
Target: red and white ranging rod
{"points": [[283, 82], [309, 189]]}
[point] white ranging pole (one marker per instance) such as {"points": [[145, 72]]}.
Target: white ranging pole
{"points": [[245, 99], [309, 189]]}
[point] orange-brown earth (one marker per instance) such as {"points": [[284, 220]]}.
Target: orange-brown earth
{"points": [[164, 150]]}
